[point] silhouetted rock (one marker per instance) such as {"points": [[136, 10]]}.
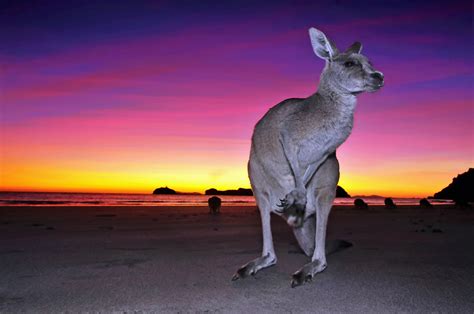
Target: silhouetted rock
{"points": [[214, 205], [425, 203], [389, 203], [340, 192], [461, 189], [240, 191], [165, 190], [360, 204]]}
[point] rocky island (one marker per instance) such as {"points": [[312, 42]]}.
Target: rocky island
{"points": [[164, 190]]}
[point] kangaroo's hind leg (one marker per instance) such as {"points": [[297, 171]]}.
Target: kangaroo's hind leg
{"points": [[323, 187], [268, 257]]}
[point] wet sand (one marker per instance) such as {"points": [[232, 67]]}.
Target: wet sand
{"points": [[181, 259]]}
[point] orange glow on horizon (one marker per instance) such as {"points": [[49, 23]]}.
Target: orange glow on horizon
{"points": [[125, 175]]}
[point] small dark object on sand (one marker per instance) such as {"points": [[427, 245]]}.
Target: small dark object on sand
{"points": [[360, 204], [389, 203], [214, 205], [424, 203]]}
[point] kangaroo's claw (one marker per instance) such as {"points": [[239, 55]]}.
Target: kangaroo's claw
{"points": [[283, 203], [295, 198]]}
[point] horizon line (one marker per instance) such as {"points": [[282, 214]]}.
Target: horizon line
{"points": [[187, 193]]}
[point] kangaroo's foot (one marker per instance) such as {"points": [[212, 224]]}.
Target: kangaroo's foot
{"points": [[252, 267], [307, 272], [296, 200]]}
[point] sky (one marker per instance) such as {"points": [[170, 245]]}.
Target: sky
{"points": [[134, 95]]}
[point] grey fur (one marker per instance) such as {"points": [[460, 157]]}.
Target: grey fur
{"points": [[293, 154]]}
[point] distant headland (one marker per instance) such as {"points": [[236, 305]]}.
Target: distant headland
{"points": [[239, 191], [340, 192]]}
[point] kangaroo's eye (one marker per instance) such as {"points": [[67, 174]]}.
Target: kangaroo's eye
{"points": [[349, 64]]}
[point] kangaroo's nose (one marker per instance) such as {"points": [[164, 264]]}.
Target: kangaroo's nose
{"points": [[377, 75]]}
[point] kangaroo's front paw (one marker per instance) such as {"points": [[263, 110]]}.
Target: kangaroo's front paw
{"points": [[296, 199], [306, 273], [252, 267]]}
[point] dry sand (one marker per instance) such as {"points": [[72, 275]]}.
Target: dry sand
{"points": [[178, 259]]}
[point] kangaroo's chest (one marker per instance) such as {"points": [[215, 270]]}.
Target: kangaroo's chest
{"points": [[340, 130], [332, 132], [326, 138]]}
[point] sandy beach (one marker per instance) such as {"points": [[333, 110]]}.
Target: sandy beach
{"points": [[181, 259]]}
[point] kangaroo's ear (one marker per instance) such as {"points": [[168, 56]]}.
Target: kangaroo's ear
{"points": [[322, 46], [354, 48]]}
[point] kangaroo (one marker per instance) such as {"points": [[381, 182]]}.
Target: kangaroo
{"points": [[293, 168]]}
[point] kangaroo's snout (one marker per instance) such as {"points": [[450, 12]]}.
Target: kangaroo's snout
{"points": [[377, 75], [377, 80]]}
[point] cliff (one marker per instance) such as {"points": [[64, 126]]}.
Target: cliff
{"points": [[460, 189]]}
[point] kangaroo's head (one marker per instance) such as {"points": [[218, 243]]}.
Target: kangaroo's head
{"points": [[347, 72]]}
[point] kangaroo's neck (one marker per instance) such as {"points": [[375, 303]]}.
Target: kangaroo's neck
{"points": [[338, 99], [337, 109]]}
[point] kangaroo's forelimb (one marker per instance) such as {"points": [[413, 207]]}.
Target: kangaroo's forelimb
{"points": [[297, 197]]}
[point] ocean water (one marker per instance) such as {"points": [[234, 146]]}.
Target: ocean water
{"points": [[116, 199], [113, 199]]}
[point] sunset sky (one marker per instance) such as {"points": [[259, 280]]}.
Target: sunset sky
{"points": [[141, 94]]}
